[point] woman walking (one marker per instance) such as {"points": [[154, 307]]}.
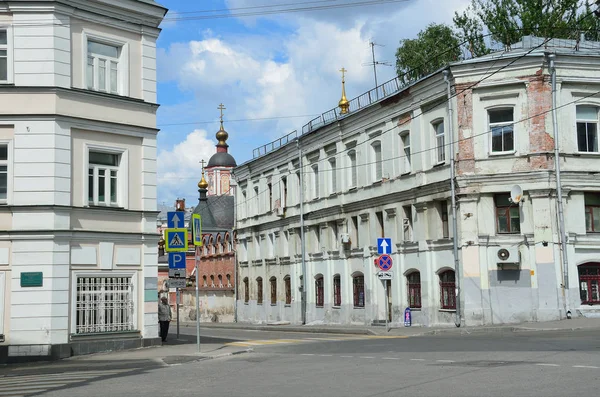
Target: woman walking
{"points": [[164, 317]]}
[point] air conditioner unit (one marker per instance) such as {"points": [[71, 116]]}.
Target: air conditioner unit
{"points": [[345, 237], [507, 255], [280, 211]]}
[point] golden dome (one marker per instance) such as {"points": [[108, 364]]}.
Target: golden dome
{"points": [[202, 184], [222, 135], [344, 104]]}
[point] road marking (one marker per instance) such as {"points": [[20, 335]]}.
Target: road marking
{"points": [[346, 356], [390, 358], [585, 366], [325, 355], [445, 361], [306, 354], [366, 357], [548, 365], [336, 338], [417, 359]]}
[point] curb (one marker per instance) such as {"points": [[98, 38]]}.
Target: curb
{"points": [[285, 328]]}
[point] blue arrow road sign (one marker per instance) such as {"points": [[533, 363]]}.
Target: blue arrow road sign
{"points": [[384, 245], [175, 219], [176, 260]]}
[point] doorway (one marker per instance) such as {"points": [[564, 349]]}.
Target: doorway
{"points": [[388, 289]]}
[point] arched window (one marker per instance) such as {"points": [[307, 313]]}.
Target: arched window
{"points": [[413, 281], [589, 283], [337, 291], [319, 290], [220, 281], [273, 282], [358, 287], [288, 290], [448, 290], [212, 280], [246, 290], [204, 280], [228, 280], [259, 291], [377, 161]]}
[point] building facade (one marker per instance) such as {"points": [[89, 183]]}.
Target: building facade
{"points": [[383, 169], [78, 247]]}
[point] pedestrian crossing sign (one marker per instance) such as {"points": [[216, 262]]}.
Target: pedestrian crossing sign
{"points": [[197, 229], [176, 240]]}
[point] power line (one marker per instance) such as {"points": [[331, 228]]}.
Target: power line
{"points": [[238, 120]]}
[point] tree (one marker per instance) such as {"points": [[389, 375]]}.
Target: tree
{"points": [[433, 48]]}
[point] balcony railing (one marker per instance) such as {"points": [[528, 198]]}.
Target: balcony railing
{"points": [[276, 144]]}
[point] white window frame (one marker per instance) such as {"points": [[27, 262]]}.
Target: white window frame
{"points": [[333, 175], [123, 61], [135, 294], [440, 141], [9, 55], [9, 171], [501, 124], [122, 176], [406, 155], [587, 121], [352, 169], [377, 161]]}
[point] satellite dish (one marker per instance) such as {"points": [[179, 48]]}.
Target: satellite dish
{"points": [[516, 194]]}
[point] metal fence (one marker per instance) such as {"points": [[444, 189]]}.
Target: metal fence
{"points": [[276, 144]]}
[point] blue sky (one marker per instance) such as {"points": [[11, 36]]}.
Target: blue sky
{"points": [[273, 72]]}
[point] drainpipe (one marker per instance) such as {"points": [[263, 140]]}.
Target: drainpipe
{"points": [[303, 303], [457, 319], [561, 216]]}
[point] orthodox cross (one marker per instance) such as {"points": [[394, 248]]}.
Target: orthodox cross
{"points": [[202, 162], [343, 72], [221, 108]]}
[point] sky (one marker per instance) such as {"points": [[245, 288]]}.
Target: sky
{"points": [[273, 71]]}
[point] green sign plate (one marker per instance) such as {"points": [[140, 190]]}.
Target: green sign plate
{"points": [[32, 279]]}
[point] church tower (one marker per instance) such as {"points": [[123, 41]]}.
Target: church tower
{"points": [[220, 165]]}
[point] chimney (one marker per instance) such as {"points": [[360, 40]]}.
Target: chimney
{"points": [[180, 204]]}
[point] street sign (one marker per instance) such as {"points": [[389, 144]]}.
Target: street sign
{"points": [[177, 282], [177, 273], [176, 260], [385, 275], [384, 262], [176, 240], [384, 245], [407, 317], [175, 219], [197, 229]]}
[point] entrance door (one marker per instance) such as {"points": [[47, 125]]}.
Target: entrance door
{"points": [[388, 288], [2, 281]]}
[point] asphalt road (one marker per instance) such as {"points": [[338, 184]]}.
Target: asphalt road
{"points": [[298, 364]]}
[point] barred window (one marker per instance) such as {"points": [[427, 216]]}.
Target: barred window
{"points": [[104, 304]]}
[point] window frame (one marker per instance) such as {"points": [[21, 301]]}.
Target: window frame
{"points": [[123, 67], [358, 287], [501, 124], [259, 291], [287, 282], [589, 279], [132, 275], [9, 171], [333, 175], [413, 288], [448, 287], [506, 209], [273, 285], [440, 152], [337, 291], [9, 47], [315, 180], [246, 283], [122, 176], [377, 149], [405, 140], [319, 291], [587, 121], [589, 210], [353, 169]]}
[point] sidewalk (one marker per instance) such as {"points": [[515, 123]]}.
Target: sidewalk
{"points": [[400, 330]]}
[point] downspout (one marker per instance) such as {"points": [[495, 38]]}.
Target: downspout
{"points": [[561, 216], [457, 318], [303, 303]]}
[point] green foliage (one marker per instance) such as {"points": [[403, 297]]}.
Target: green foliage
{"points": [[434, 47]]}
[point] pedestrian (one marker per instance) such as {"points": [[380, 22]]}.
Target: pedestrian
{"points": [[164, 317]]}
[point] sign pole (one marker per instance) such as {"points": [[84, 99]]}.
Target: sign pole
{"points": [[387, 314], [177, 303], [197, 299]]}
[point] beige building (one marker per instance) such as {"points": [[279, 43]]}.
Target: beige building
{"points": [[78, 251]]}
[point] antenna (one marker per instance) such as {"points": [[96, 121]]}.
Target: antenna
{"points": [[516, 194], [375, 63]]}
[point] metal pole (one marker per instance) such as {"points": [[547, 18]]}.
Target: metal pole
{"points": [[561, 216], [374, 67], [177, 308], [197, 298], [458, 277], [387, 314], [302, 245]]}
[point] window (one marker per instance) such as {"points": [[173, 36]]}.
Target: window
{"points": [[103, 178], [256, 203], [243, 205], [407, 223], [204, 281], [587, 129], [319, 296], [285, 192], [220, 277], [103, 72], [507, 215], [444, 218], [502, 129], [288, 290], [3, 55], [448, 290], [592, 212], [104, 304], [246, 289], [380, 225], [212, 280], [315, 170], [273, 282], [589, 280], [358, 284], [270, 187], [353, 169], [333, 175], [337, 291], [378, 163], [354, 236], [405, 137], [414, 290], [3, 172], [228, 277], [259, 291], [440, 141]]}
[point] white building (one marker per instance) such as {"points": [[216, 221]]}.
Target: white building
{"points": [[384, 168], [78, 247]]}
